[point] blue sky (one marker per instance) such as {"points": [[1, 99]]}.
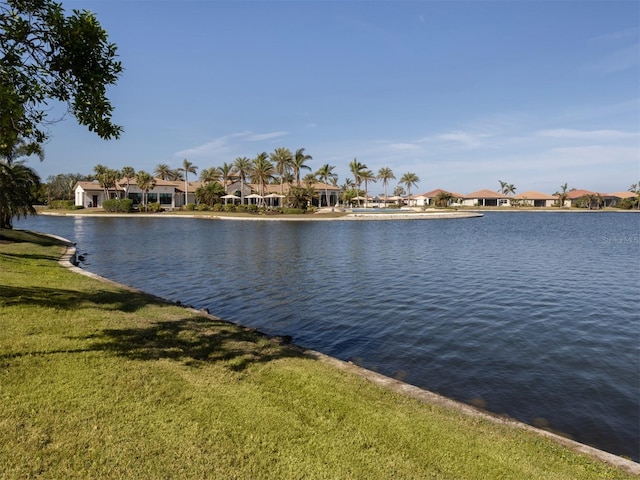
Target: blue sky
{"points": [[461, 93]]}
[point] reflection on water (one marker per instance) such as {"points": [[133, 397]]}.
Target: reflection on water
{"points": [[533, 315]]}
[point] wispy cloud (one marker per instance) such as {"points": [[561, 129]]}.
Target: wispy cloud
{"points": [[591, 112], [617, 36], [226, 145], [403, 146], [622, 59], [215, 146], [569, 133], [257, 137], [461, 138], [593, 155]]}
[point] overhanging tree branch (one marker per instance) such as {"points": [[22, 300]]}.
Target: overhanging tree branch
{"points": [[45, 55]]}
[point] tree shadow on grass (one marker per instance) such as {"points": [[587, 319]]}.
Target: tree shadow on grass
{"points": [[22, 236], [65, 299], [195, 342], [15, 257]]}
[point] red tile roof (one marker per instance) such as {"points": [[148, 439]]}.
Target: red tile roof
{"points": [[574, 194], [533, 195], [434, 193], [486, 193], [620, 194]]}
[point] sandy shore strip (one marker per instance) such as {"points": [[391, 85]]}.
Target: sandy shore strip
{"points": [[349, 216]]}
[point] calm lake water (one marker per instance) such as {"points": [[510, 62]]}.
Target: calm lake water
{"points": [[533, 314]]}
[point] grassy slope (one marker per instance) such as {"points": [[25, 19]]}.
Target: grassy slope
{"points": [[96, 381]]}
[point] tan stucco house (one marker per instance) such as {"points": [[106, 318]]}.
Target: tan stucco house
{"points": [[533, 198]]}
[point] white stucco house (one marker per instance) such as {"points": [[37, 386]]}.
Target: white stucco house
{"points": [[426, 199], [170, 194]]}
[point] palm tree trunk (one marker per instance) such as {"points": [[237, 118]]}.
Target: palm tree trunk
{"points": [[366, 196]]}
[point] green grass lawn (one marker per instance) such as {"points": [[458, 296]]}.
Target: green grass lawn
{"points": [[99, 382]]}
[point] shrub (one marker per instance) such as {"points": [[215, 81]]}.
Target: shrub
{"points": [[628, 203], [203, 207], [190, 206], [230, 207], [154, 207], [117, 205], [217, 207], [62, 204], [252, 208]]}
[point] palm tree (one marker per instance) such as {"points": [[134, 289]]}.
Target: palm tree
{"points": [[298, 163], [310, 179], [635, 188], [288, 178], [208, 175], [262, 171], [325, 173], [187, 168], [227, 171], [107, 178], [385, 174], [347, 191], [443, 199], [300, 197], [409, 180], [18, 183], [210, 193], [18, 188], [128, 173], [282, 159], [162, 171], [356, 169], [367, 176], [592, 201], [562, 195], [507, 188], [145, 182], [243, 166]]}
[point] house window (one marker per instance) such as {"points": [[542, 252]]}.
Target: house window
{"points": [[153, 197], [165, 198], [136, 197]]}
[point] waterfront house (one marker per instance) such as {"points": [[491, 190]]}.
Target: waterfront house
{"points": [[575, 196], [170, 194], [89, 194], [486, 198], [614, 199], [428, 198], [534, 199]]}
